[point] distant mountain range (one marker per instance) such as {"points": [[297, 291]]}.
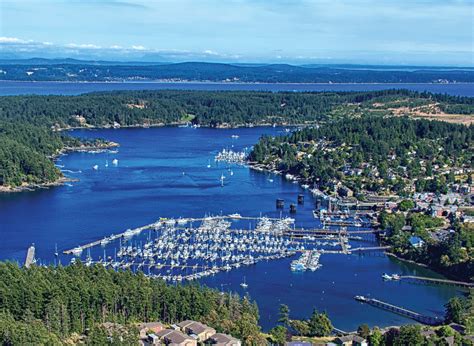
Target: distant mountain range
{"points": [[40, 69]]}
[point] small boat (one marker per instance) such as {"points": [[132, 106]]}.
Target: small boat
{"points": [[115, 162], [106, 163], [385, 276], [244, 284], [77, 251], [222, 179], [95, 167], [209, 164], [235, 136]]}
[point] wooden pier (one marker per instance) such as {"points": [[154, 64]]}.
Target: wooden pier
{"points": [[437, 281], [429, 320]]}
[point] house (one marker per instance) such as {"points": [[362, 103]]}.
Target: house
{"points": [[201, 331], [175, 338], [349, 340], [149, 328], [344, 191], [416, 242], [220, 339]]}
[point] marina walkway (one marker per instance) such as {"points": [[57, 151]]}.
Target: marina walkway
{"points": [[437, 281], [429, 320]]}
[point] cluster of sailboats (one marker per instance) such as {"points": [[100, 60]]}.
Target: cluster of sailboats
{"points": [[176, 253], [114, 162], [309, 260], [231, 156]]}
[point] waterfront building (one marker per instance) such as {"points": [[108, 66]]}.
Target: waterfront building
{"points": [[349, 340]]}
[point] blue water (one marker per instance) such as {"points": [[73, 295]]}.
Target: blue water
{"points": [[149, 183], [68, 88]]}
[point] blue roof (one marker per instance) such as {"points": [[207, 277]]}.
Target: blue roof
{"points": [[414, 240]]}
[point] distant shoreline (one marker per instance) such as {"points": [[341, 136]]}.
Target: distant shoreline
{"points": [[158, 81]]}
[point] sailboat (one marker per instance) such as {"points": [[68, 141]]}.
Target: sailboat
{"points": [[95, 167], [106, 163], [244, 284], [115, 162], [209, 164], [222, 179]]}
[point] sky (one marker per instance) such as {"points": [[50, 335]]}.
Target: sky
{"points": [[393, 32]]}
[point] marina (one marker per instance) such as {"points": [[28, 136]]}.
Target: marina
{"points": [[148, 186], [174, 250]]}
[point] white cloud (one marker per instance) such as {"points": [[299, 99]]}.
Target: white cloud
{"points": [[138, 47], [210, 52], [85, 46], [4, 39]]}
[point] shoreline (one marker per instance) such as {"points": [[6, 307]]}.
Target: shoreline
{"points": [[62, 179], [160, 81], [34, 187]]}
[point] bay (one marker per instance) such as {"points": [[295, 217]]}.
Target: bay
{"points": [[162, 172]]}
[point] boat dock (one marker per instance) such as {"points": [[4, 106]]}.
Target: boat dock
{"points": [[429, 320], [30, 256], [437, 281], [159, 223]]}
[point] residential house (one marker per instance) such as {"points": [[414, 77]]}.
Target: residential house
{"points": [[416, 242], [220, 339], [172, 337], [349, 340], [201, 331], [149, 328]]}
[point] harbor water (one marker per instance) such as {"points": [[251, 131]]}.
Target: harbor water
{"points": [[170, 172]]}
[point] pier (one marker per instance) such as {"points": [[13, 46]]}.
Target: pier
{"points": [[159, 223], [30, 256], [428, 320], [437, 281]]}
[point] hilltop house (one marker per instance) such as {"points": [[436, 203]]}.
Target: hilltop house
{"points": [[149, 328], [220, 339], [174, 338], [196, 329]]}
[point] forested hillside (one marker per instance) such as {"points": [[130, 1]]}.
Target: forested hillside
{"points": [[27, 122], [55, 302], [37, 70], [380, 154]]}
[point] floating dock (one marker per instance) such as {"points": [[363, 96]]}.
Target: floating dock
{"points": [[30, 256]]}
